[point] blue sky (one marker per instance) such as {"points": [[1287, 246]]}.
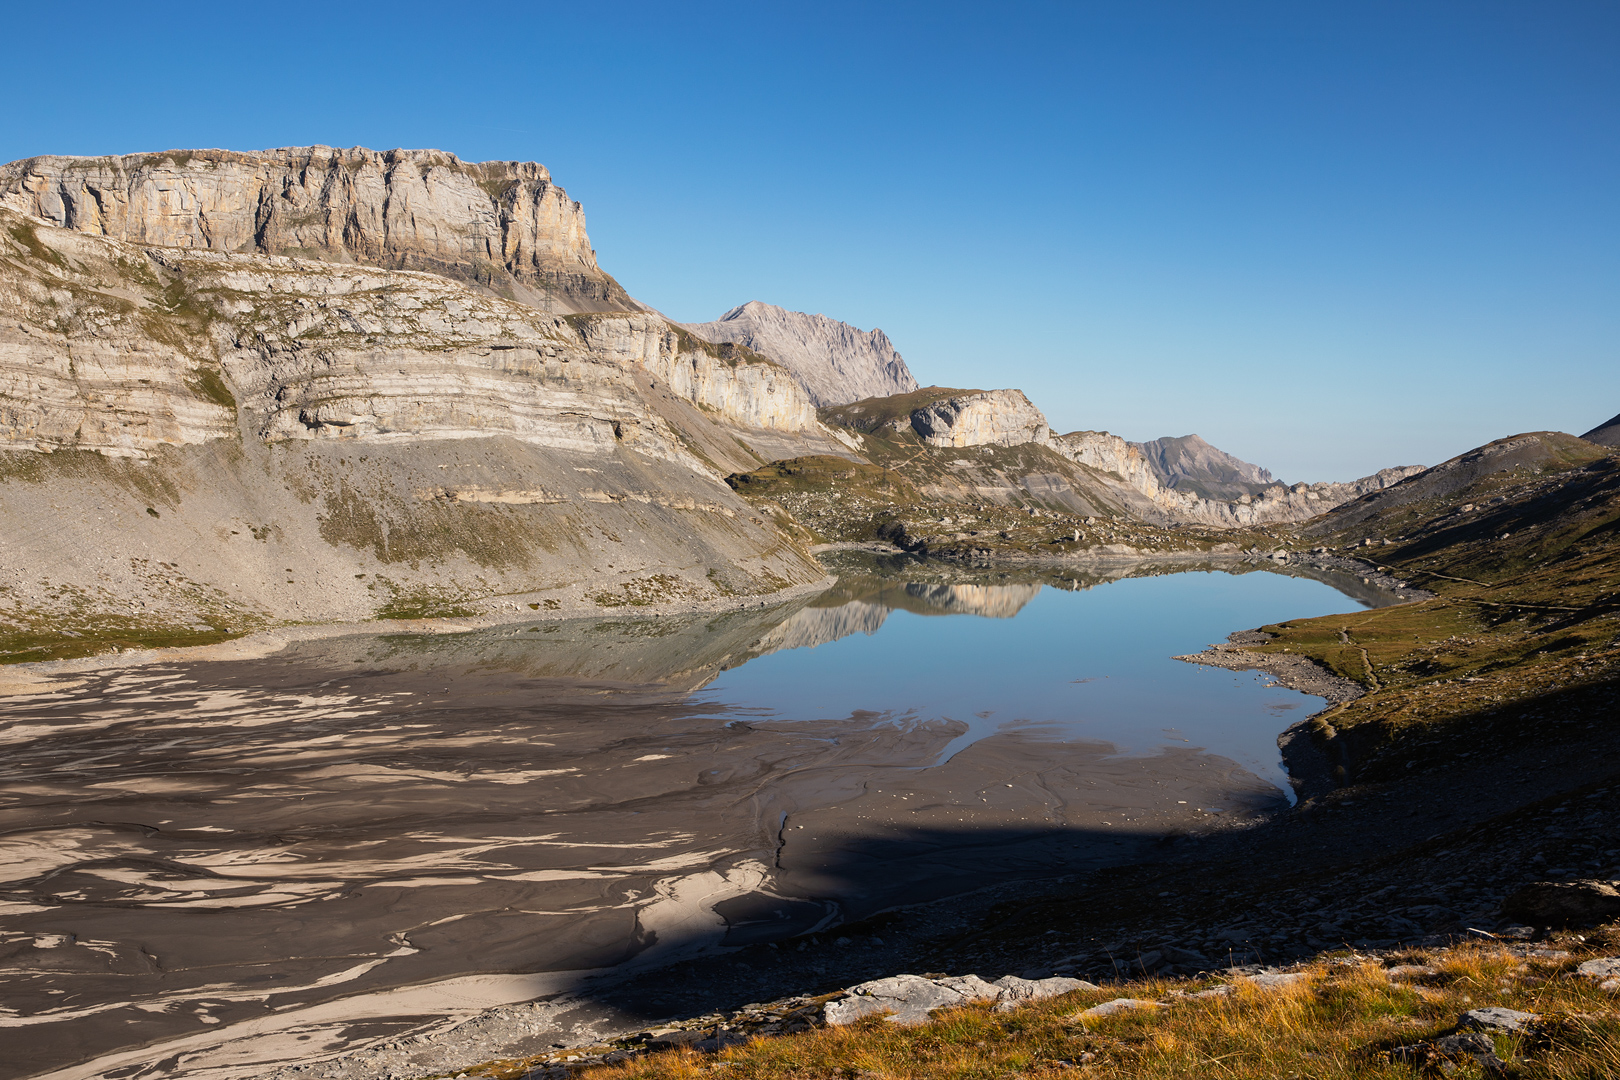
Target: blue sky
{"points": [[1326, 236]]}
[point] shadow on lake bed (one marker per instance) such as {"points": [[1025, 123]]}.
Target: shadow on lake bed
{"points": [[249, 862]]}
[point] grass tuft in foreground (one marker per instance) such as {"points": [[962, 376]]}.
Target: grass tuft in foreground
{"points": [[1350, 1017]]}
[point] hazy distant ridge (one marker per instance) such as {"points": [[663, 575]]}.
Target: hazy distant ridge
{"points": [[1188, 463]]}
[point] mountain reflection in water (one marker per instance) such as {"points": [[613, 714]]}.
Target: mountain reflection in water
{"points": [[354, 833]]}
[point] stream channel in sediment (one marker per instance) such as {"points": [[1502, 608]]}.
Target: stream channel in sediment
{"points": [[211, 868]]}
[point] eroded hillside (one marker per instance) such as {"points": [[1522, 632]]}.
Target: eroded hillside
{"points": [[199, 443]]}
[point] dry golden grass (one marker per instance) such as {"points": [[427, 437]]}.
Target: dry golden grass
{"points": [[1340, 1023]]}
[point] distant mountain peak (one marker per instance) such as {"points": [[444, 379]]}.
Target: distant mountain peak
{"points": [[1188, 463], [836, 362]]}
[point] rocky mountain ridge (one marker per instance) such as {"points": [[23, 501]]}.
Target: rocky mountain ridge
{"points": [[836, 362], [502, 226], [1188, 463], [1606, 433]]}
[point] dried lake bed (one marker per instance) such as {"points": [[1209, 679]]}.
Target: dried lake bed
{"points": [[215, 867]]}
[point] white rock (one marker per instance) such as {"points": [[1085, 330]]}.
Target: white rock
{"points": [[908, 998], [984, 418], [1014, 988]]}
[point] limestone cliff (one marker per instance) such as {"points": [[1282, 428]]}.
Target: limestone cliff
{"points": [[502, 225], [836, 362], [942, 416], [315, 441], [986, 418]]}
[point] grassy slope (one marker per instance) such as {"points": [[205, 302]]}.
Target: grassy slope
{"points": [[1521, 543], [1341, 1021]]}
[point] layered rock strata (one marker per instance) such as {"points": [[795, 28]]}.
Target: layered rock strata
{"points": [[502, 225], [836, 362], [392, 441]]}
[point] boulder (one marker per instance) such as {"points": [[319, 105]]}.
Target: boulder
{"points": [[907, 998], [1012, 988]]}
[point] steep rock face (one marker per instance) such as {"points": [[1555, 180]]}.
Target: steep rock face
{"points": [[734, 382], [92, 357], [1275, 503], [390, 441], [115, 348], [1110, 454], [1605, 434], [500, 224], [982, 418], [1188, 463], [836, 362]]}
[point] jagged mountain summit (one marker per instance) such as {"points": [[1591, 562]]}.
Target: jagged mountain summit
{"points": [[502, 226], [1188, 463], [836, 362], [1606, 433]]}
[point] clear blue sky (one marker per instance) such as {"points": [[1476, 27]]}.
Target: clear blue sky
{"points": [[1327, 236]]}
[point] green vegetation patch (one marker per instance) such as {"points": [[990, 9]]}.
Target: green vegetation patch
{"points": [[642, 591], [821, 473], [425, 602], [24, 233], [21, 646], [1523, 635], [208, 384]]}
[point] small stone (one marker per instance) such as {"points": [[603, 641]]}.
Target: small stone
{"points": [[1495, 1018], [1602, 968], [1223, 990], [1470, 1043], [1109, 1008], [1183, 957]]}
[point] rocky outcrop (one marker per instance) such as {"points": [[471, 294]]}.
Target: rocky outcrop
{"points": [[1188, 463], [979, 418], [836, 362], [1111, 455], [501, 225], [1275, 503], [1606, 433], [910, 999]]}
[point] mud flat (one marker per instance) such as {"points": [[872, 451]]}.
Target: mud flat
{"points": [[217, 868]]}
